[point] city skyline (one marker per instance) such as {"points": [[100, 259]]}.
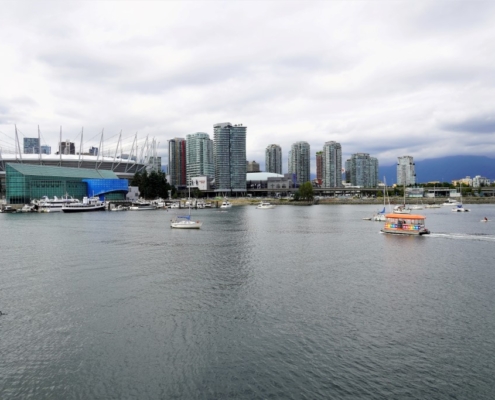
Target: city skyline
{"points": [[386, 78]]}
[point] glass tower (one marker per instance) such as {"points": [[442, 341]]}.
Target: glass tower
{"points": [[199, 154], [364, 170], [229, 151], [177, 161], [332, 164], [406, 174], [299, 162], [273, 159], [31, 146]]}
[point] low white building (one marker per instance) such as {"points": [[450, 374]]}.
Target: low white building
{"points": [[479, 181]]}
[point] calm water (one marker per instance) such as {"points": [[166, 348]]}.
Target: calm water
{"points": [[295, 302]]}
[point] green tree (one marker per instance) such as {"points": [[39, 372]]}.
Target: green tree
{"points": [[152, 185], [306, 191]]}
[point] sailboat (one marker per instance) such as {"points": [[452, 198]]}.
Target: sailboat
{"points": [[459, 207], [402, 208], [184, 221], [380, 215]]}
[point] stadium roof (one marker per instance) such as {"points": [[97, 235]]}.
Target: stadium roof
{"points": [[261, 176], [65, 172]]}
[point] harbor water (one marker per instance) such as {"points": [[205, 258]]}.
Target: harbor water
{"points": [[291, 303]]}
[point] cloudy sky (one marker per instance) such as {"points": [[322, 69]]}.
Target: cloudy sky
{"points": [[389, 78]]}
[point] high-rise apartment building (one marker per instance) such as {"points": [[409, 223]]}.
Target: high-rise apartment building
{"points": [[229, 151], [273, 159], [31, 146], [406, 174], [177, 161], [363, 170], [332, 164], [319, 167], [300, 162], [199, 154]]}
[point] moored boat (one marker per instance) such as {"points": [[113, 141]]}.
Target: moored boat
{"points": [[47, 205], [226, 204], [87, 205], [141, 205], [400, 224], [184, 222]]}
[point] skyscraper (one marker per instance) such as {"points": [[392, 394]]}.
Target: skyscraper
{"points": [[332, 164], [299, 162], [199, 154], [177, 161], [273, 159], [319, 167], [31, 146], [364, 170], [229, 151], [406, 174]]}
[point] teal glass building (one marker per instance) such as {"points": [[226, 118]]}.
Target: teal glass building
{"points": [[26, 182]]}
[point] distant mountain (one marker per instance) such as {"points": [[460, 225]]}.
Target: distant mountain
{"points": [[445, 169]]}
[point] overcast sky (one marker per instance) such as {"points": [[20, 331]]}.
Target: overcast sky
{"points": [[389, 78]]}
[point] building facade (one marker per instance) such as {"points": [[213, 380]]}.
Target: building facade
{"points": [[199, 155], [177, 162], [229, 152], [46, 150], [26, 182], [300, 162], [66, 147], [319, 167], [252, 166], [363, 170], [406, 174], [332, 164], [273, 159], [31, 146]]}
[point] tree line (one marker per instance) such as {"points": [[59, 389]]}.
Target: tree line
{"points": [[152, 185]]}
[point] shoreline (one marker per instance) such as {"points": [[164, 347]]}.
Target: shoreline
{"points": [[377, 201]]}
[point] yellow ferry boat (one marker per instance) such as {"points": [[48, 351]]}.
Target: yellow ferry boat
{"points": [[405, 224]]}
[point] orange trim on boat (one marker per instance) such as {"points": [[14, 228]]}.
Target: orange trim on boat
{"points": [[405, 216]]}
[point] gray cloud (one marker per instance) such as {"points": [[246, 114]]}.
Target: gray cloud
{"points": [[386, 78], [475, 124]]}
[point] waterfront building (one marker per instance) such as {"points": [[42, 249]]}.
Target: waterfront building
{"points": [[252, 166], [479, 181], [31, 146], [229, 151], [332, 164], [25, 182], [347, 172], [299, 162], [363, 170], [406, 174], [268, 180], [273, 159], [177, 162], [319, 167], [199, 155]]}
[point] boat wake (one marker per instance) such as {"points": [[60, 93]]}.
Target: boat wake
{"points": [[465, 236]]}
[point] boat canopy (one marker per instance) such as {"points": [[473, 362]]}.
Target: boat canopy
{"points": [[405, 216]]}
